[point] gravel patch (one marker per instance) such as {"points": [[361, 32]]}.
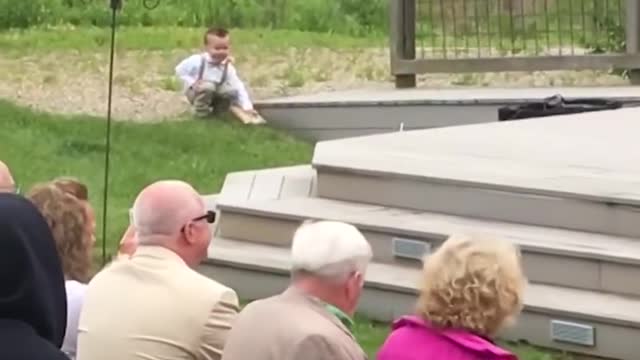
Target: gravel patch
{"points": [[145, 89]]}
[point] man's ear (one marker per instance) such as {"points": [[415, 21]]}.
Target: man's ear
{"points": [[189, 235], [359, 278], [355, 278]]}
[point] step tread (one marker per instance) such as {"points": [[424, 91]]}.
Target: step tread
{"points": [[456, 96], [426, 224], [583, 304], [589, 156], [266, 184]]}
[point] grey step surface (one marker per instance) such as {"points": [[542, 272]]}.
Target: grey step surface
{"points": [[552, 256], [342, 114], [576, 171], [453, 96], [257, 271], [266, 184], [328, 122]]}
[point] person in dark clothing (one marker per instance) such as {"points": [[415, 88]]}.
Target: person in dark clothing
{"points": [[33, 305]]}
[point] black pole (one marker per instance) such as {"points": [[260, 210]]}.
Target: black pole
{"points": [[115, 6]]}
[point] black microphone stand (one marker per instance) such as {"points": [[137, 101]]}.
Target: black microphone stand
{"points": [[115, 5]]}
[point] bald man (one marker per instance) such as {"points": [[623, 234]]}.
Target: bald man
{"points": [[154, 305], [6, 180]]}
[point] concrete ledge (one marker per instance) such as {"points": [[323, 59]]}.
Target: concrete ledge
{"points": [[211, 201], [344, 114], [551, 256], [573, 213], [265, 184], [574, 171], [454, 96], [437, 227], [584, 156]]}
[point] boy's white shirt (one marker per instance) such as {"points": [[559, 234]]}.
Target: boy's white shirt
{"points": [[189, 69]]}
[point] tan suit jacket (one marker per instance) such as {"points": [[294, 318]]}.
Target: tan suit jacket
{"points": [[290, 326], [154, 307]]}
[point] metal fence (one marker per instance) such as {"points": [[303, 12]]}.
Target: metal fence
{"points": [[511, 35]]}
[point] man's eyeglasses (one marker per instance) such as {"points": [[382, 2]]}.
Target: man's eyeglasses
{"points": [[210, 216]]}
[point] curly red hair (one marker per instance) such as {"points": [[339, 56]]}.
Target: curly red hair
{"points": [[68, 221]]}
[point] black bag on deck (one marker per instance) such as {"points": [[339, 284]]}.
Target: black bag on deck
{"points": [[555, 105]]}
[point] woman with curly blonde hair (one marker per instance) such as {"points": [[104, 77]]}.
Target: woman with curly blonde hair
{"points": [[472, 288], [72, 230]]}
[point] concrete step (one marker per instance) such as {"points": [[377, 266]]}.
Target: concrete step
{"points": [[578, 172], [210, 201], [341, 114], [567, 319], [551, 256], [267, 184]]}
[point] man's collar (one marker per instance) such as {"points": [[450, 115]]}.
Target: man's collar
{"points": [[332, 310], [157, 252], [345, 319]]}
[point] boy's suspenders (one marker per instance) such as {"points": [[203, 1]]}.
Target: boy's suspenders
{"points": [[223, 78], [202, 65]]}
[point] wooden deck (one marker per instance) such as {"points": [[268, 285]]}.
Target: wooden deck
{"points": [[342, 114], [551, 256], [580, 172], [278, 183], [593, 155], [565, 189], [618, 249]]}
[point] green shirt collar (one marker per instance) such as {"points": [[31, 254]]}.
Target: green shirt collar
{"points": [[333, 310], [344, 318]]}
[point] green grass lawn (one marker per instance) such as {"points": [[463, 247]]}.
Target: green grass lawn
{"points": [[68, 38], [40, 146]]}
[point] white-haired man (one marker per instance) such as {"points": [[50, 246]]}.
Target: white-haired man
{"points": [[311, 320], [6, 180], [154, 305]]}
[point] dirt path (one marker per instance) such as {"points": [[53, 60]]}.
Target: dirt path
{"points": [[146, 90]]}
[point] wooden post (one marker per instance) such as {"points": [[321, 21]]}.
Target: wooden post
{"points": [[403, 38], [633, 36]]}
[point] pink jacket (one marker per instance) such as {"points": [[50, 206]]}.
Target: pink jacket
{"points": [[414, 339]]}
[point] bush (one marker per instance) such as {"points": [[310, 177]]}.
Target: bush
{"points": [[352, 17], [21, 14]]}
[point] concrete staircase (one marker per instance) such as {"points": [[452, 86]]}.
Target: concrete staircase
{"points": [[565, 189]]}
